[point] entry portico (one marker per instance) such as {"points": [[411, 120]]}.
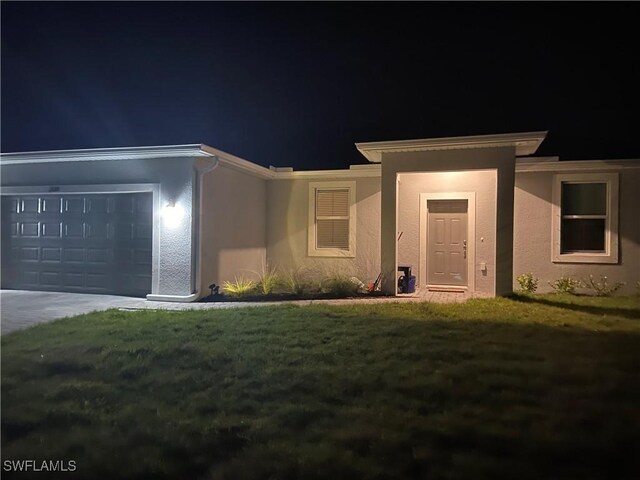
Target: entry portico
{"points": [[447, 209]]}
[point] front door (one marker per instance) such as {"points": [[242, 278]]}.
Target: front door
{"points": [[447, 243]]}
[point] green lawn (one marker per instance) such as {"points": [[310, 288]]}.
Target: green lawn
{"points": [[527, 388]]}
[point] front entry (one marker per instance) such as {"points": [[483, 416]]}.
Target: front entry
{"points": [[447, 264]]}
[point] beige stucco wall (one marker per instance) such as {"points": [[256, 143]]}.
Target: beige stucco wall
{"points": [[501, 158], [234, 216], [483, 183], [532, 232], [287, 232]]}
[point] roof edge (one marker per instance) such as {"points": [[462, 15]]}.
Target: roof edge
{"points": [[525, 143], [98, 154], [237, 163], [577, 165]]}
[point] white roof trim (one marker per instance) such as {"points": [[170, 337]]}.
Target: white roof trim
{"points": [[354, 171], [237, 163], [181, 151], [525, 144], [577, 165], [99, 154]]}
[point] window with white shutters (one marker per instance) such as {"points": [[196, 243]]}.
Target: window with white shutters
{"points": [[331, 219]]}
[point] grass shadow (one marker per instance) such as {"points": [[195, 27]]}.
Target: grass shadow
{"points": [[629, 313]]}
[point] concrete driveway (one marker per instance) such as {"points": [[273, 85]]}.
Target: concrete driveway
{"points": [[22, 309]]}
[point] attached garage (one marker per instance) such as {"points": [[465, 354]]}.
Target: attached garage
{"points": [[92, 243], [122, 221]]}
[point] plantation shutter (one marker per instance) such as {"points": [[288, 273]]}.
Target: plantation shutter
{"points": [[332, 219]]}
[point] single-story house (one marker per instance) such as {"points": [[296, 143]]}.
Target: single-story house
{"points": [[465, 213]]}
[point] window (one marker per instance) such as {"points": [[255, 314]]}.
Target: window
{"points": [[332, 219], [585, 218]]}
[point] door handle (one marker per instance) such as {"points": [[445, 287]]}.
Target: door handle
{"points": [[464, 249]]}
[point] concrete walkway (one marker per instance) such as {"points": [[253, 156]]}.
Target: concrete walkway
{"points": [[21, 309]]}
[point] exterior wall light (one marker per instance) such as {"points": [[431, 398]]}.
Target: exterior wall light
{"points": [[172, 214]]}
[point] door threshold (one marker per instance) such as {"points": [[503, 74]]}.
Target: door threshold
{"points": [[447, 289]]}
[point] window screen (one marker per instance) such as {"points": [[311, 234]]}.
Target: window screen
{"points": [[584, 217]]}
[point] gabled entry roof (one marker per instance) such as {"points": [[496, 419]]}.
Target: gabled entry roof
{"points": [[525, 144]]}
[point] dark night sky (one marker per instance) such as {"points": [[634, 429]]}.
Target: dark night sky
{"points": [[298, 83]]}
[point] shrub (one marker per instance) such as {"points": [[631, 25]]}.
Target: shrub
{"points": [[565, 285], [602, 288], [340, 286], [268, 280], [295, 281], [528, 283], [239, 286]]}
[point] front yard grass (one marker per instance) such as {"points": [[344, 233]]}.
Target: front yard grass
{"points": [[533, 387]]}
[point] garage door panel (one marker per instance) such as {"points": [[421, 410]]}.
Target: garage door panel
{"points": [[74, 204], [30, 205], [98, 204], [73, 255], [123, 204], [51, 229], [52, 205], [29, 254], [73, 229], [51, 279], [74, 279], [97, 230], [13, 229], [12, 205], [30, 229], [98, 256], [142, 257], [51, 254], [28, 277], [123, 231], [97, 280], [143, 204], [143, 231], [80, 243]]}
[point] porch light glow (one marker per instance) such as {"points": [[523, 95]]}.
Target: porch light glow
{"points": [[172, 214]]}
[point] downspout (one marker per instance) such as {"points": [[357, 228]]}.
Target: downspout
{"points": [[196, 257]]}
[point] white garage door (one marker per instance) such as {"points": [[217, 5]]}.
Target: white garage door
{"points": [[98, 243]]}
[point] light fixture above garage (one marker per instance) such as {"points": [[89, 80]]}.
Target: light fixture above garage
{"points": [[172, 214]]}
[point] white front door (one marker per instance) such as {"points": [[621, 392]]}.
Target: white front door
{"points": [[447, 243]]}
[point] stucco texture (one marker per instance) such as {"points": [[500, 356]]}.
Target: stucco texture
{"points": [[533, 226], [287, 233], [233, 215]]}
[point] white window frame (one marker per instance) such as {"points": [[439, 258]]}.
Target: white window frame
{"points": [[313, 251], [610, 255]]}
